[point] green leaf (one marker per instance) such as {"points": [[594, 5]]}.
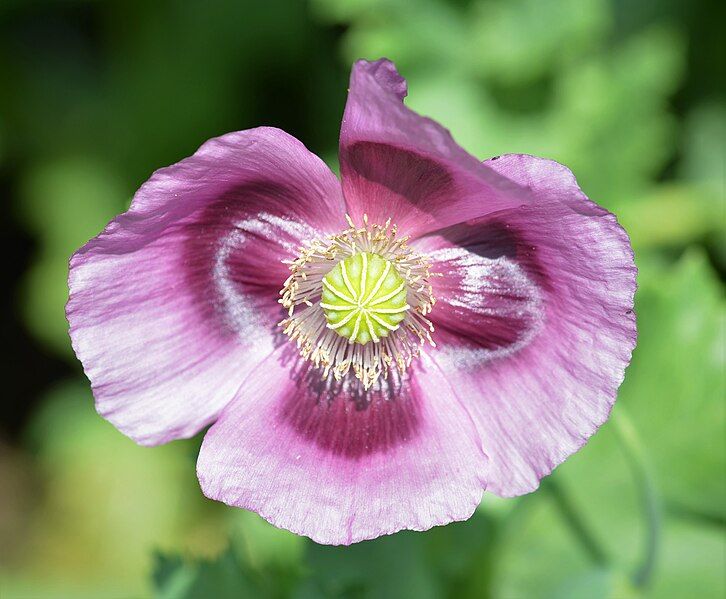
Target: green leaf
{"points": [[521, 40], [228, 575], [610, 121], [222, 578], [538, 554], [597, 583], [674, 388], [392, 566], [263, 545], [704, 151], [455, 560], [691, 562]]}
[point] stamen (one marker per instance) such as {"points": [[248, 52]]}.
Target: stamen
{"points": [[358, 301]]}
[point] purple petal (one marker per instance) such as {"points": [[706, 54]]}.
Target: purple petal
{"points": [[485, 297], [397, 164], [177, 299], [539, 394], [338, 466]]}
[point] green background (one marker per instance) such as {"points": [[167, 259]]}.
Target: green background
{"points": [[95, 95]]}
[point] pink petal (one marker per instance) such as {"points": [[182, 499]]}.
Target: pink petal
{"points": [[397, 164], [340, 467], [485, 296], [537, 402], [177, 299]]}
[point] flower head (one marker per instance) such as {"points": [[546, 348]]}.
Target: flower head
{"points": [[362, 297], [373, 352]]}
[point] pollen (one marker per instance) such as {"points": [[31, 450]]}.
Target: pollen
{"points": [[357, 302], [364, 298]]}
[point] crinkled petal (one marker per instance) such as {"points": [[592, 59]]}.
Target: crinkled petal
{"points": [[538, 401], [177, 299], [341, 466], [397, 164], [485, 296]]}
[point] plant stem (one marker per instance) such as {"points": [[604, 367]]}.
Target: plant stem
{"points": [[575, 521], [652, 509]]}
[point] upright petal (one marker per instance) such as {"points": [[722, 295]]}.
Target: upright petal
{"points": [[397, 164], [538, 356], [339, 465], [176, 299]]}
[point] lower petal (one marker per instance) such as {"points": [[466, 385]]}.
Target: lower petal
{"points": [[339, 465]]}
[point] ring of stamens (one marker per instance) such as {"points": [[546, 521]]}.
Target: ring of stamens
{"points": [[357, 302]]}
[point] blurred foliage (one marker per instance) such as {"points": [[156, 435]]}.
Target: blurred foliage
{"points": [[677, 376], [96, 94], [103, 500], [61, 202]]}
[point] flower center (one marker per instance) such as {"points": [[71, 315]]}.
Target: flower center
{"points": [[363, 284], [364, 298]]}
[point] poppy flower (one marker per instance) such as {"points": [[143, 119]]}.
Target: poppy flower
{"points": [[372, 352]]}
